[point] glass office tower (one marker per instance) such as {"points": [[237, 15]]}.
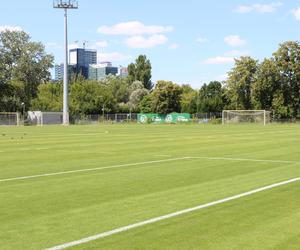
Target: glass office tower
{"points": [[80, 59]]}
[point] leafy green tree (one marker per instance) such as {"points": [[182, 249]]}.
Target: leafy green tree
{"points": [[23, 60], [146, 104], [13, 96], [188, 100], [141, 71], [49, 97], [287, 59], [89, 98], [211, 98], [136, 97], [268, 81], [166, 97], [118, 88], [240, 81], [281, 109]]}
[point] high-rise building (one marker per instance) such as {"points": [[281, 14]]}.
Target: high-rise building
{"points": [[101, 71], [81, 59], [59, 72], [123, 72]]}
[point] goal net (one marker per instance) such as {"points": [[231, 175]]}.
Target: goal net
{"points": [[45, 118], [246, 116], [10, 118]]}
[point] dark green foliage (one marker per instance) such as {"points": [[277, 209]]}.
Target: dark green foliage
{"points": [[141, 71], [23, 66], [240, 81], [166, 97], [146, 104], [188, 100], [49, 98], [211, 98]]}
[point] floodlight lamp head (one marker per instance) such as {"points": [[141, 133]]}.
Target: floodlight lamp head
{"points": [[65, 4]]}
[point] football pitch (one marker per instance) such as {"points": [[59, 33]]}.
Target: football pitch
{"points": [[150, 187]]}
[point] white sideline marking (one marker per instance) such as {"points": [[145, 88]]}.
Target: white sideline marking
{"points": [[242, 159], [144, 163], [92, 169], [168, 216]]}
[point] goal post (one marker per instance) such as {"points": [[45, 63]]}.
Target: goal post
{"points": [[10, 118], [45, 118], [246, 116]]}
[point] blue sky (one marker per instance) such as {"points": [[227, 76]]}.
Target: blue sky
{"points": [[190, 41]]}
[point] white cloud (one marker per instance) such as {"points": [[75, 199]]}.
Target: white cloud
{"points": [[244, 9], [219, 60], [133, 28], [260, 8], [112, 57], [234, 41], [201, 40], [228, 57], [237, 53], [142, 42], [10, 28], [102, 44], [296, 13], [174, 46]]}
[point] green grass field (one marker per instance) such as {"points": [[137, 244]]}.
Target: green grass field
{"points": [[145, 175]]}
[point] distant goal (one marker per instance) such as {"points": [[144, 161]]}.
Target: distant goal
{"points": [[246, 116], [45, 118], [10, 118]]}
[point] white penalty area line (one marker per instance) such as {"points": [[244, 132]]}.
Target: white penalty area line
{"points": [[171, 215], [145, 163], [243, 159], [92, 169]]}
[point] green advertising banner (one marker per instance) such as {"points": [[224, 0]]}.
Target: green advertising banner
{"points": [[151, 118], [176, 117], [158, 118]]}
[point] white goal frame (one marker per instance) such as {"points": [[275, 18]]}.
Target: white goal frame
{"points": [[40, 118], [57, 118], [245, 116], [10, 118]]}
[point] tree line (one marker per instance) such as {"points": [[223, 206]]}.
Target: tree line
{"points": [[273, 84]]}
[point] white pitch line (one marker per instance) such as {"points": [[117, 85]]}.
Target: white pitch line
{"points": [[163, 155], [91, 169], [168, 216], [243, 159]]}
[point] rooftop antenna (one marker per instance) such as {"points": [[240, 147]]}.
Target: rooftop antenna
{"points": [[64, 4], [84, 42]]}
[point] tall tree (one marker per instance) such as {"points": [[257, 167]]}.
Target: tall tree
{"points": [[49, 97], [24, 61], [287, 59], [267, 83], [239, 82], [188, 99], [89, 97], [211, 98], [137, 93], [166, 97], [141, 71]]}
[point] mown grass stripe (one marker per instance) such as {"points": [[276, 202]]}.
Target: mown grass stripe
{"points": [[171, 215]]}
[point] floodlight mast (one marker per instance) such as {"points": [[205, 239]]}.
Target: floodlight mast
{"points": [[63, 4]]}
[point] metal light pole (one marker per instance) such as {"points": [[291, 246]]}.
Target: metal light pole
{"points": [[64, 4]]}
